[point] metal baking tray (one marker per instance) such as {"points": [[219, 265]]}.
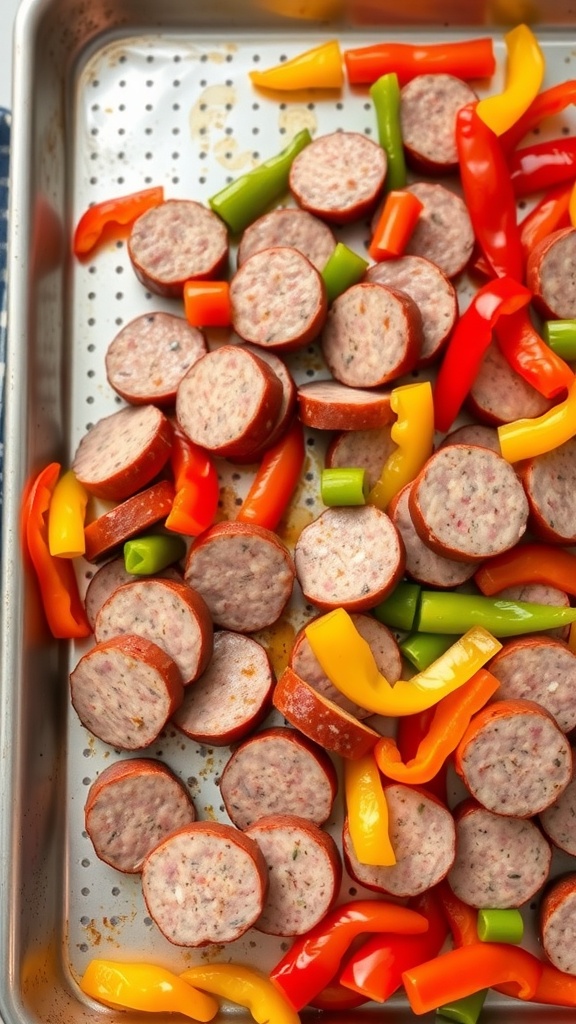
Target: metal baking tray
{"points": [[108, 98]]}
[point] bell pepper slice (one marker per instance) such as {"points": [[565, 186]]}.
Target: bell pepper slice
{"points": [[375, 969], [66, 517], [61, 601], [197, 488], [411, 730], [244, 986], [461, 918], [395, 225], [340, 485], [525, 438], [399, 609], [413, 433], [560, 335], [455, 613], [275, 480], [555, 987], [451, 718], [121, 210], [500, 925], [314, 958], [528, 563], [465, 1011], [207, 303], [343, 269], [335, 997], [421, 649], [144, 556], [385, 94], [539, 167], [488, 193], [467, 58], [546, 104], [530, 357], [524, 73], [468, 969], [349, 663], [319, 68], [550, 214], [142, 986], [469, 343], [367, 812]]}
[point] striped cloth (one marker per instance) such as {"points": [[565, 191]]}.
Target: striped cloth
{"points": [[4, 165]]}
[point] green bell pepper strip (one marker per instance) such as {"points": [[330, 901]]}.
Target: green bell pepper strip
{"points": [[399, 609], [455, 613], [343, 269], [343, 486], [144, 556], [246, 198], [465, 1011], [561, 336], [495, 925], [385, 95], [421, 649]]}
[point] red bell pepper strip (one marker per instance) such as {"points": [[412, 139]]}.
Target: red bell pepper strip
{"points": [[63, 608], [550, 214], [395, 225], [207, 303], [488, 193], [528, 563], [542, 166], [470, 58], [469, 342], [375, 969], [410, 732], [312, 961], [460, 918], [122, 210], [546, 104], [529, 355], [275, 480], [555, 988], [197, 487]]}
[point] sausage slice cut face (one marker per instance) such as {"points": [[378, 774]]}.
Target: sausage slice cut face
{"points": [[551, 274], [339, 176], [444, 231], [541, 669], [558, 923], [429, 105], [147, 359], [290, 227], [559, 819]]}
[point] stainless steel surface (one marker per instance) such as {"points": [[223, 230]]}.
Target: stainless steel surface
{"points": [[109, 98]]}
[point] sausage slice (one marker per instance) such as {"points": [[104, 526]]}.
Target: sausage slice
{"points": [[559, 819], [339, 177], [108, 578], [444, 231], [540, 669], [558, 923], [103, 536], [148, 358], [363, 449], [500, 395], [429, 105], [329, 405], [551, 276], [550, 481], [423, 564], [290, 227]]}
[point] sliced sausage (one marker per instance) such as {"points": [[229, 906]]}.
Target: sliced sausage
{"points": [[538, 593], [550, 484], [108, 578], [382, 644], [444, 231], [278, 300], [500, 861], [363, 449], [287, 403], [123, 452], [423, 838], [170, 614], [148, 358], [468, 504], [233, 694], [551, 274], [558, 923], [304, 869], [244, 573], [290, 227], [125, 690], [540, 669], [423, 564], [429, 105], [431, 290], [513, 758], [229, 401], [339, 176], [559, 819], [205, 883], [373, 335], [320, 719], [176, 241], [500, 395], [278, 771], [350, 558], [329, 405], [476, 434], [131, 807], [103, 536]]}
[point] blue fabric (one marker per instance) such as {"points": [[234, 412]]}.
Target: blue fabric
{"points": [[4, 166]]}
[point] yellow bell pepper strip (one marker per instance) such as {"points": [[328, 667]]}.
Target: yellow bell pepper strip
{"points": [[349, 664], [451, 718], [314, 958], [246, 987], [319, 68], [413, 433], [524, 73], [367, 812], [454, 613], [528, 563], [398, 610], [525, 438], [143, 986], [66, 517]]}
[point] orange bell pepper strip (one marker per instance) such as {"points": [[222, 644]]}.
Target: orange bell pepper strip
{"points": [[410, 732], [197, 487], [526, 438], [470, 58], [449, 723], [319, 68], [395, 225], [550, 214], [528, 563], [555, 988], [207, 303], [121, 210], [63, 607], [275, 480]]}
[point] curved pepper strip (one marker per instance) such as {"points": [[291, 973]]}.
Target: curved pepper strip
{"points": [[122, 210], [467, 58], [550, 214], [451, 719], [460, 917], [543, 165], [410, 732], [63, 608], [319, 68], [385, 94], [143, 986], [528, 563], [275, 481], [530, 357], [413, 433], [348, 662], [548, 103], [243, 986], [197, 487], [488, 193], [367, 812], [525, 438], [314, 958], [66, 517], [465, 970], [524, 74]]}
